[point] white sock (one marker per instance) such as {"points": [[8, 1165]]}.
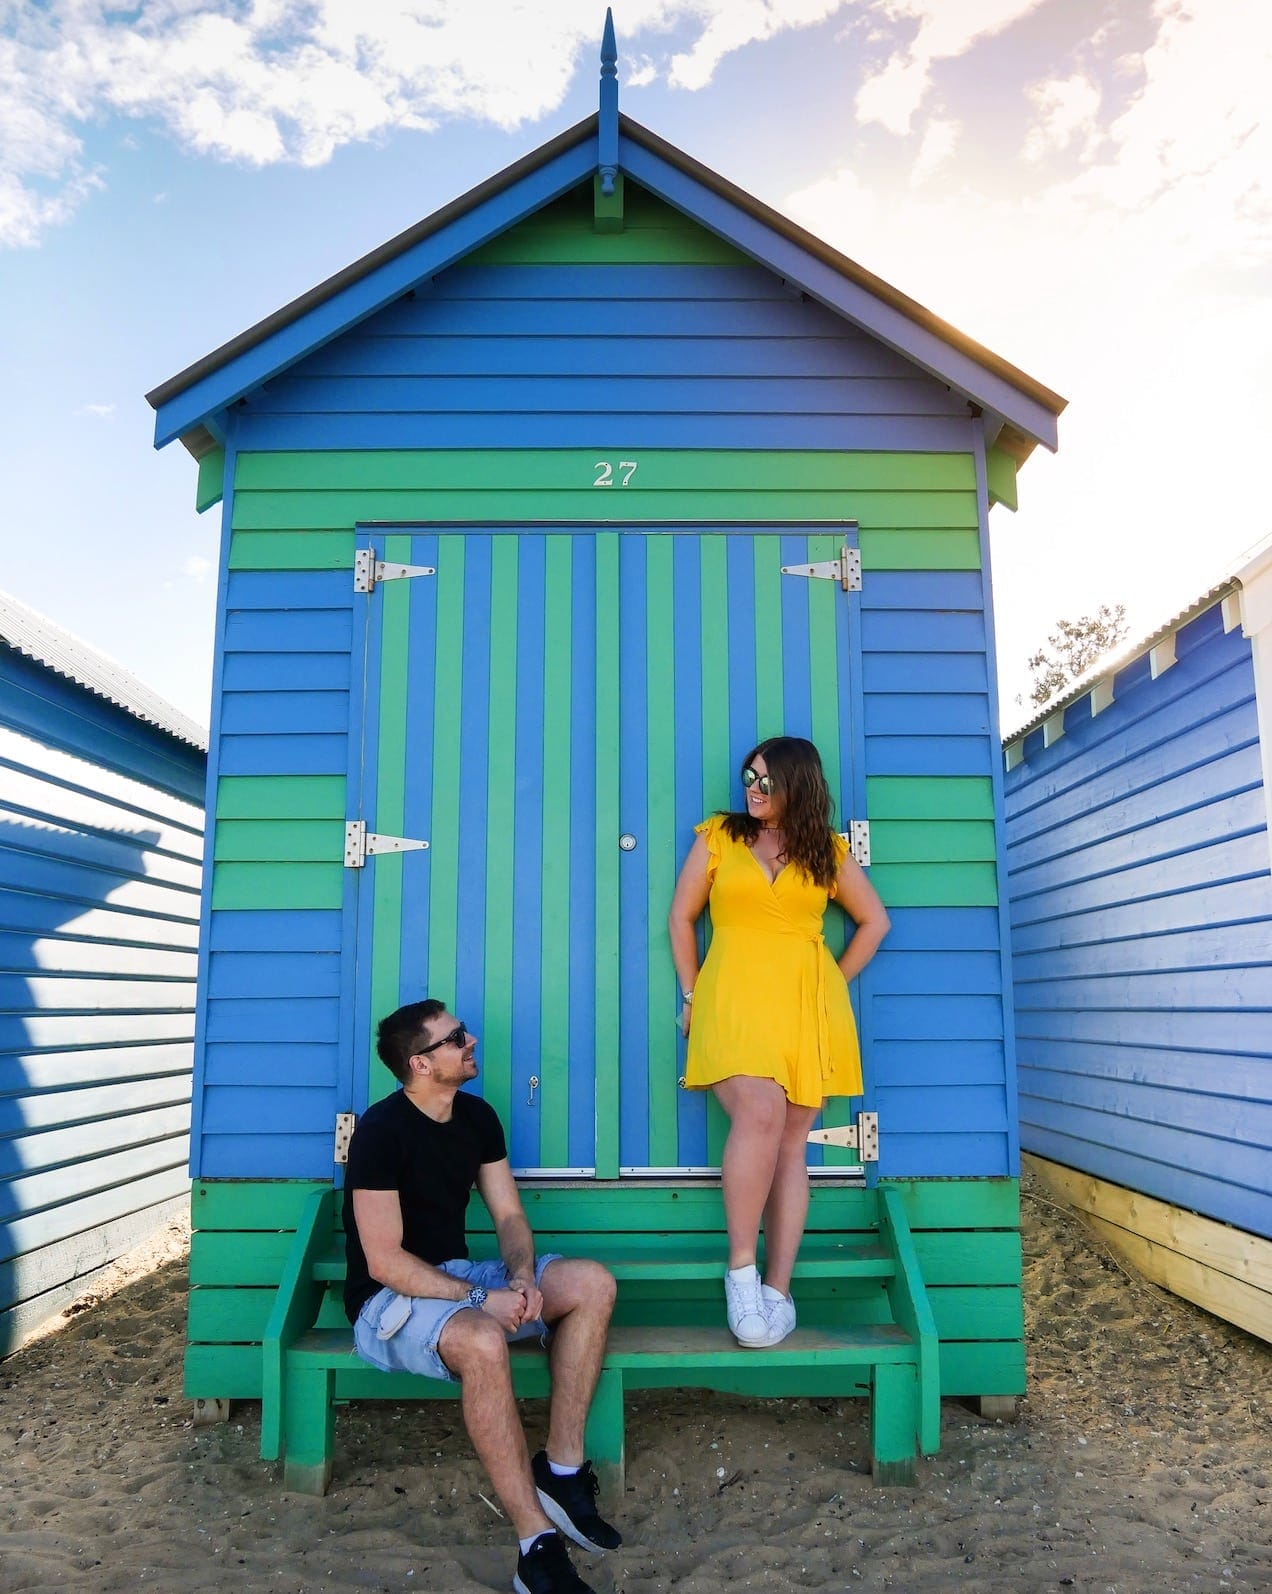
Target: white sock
{"points": [[533, 1539], [775, 1295], [561, 1472], [744, 1275]]}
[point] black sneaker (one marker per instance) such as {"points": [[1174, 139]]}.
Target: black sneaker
{"points": [[571, 1503], [545, 1569]]}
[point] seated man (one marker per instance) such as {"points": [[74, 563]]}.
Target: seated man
{"points": [[418, 1304]]}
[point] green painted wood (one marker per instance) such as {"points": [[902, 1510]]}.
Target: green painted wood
{"points": [[389, 816], [238, 1206], [943, 1204], [931, 841], [894, 797], [222, 1372], [288, 797], [277, 885], [987, 1312], [557, 830], [607, 857], [443, 959], [969, 1368], [935, 885], [210, 488], [717, 775], [295, 1307], [501, 828], [893, 1421], [519, 470], [893, 548], [565, 233], [973, 1256], [279, 840], [235, 1258], [292, 550], [912, 1310], [767, 560], [823, 599], [883, 514], [229, 1316], [660, 739], [1000, 472]]}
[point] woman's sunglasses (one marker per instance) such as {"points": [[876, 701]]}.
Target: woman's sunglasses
{"points": [[751, 777], [457, 1037]]}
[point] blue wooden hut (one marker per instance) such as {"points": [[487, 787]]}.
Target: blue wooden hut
{"points": [[1141, 903], [101, 841], [535, 518]]}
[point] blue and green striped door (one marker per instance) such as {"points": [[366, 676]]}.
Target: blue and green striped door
{"points": [[553, 711]]}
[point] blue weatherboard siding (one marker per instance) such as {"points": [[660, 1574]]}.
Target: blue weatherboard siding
{"points": [[101, 839], [1142, 935]]}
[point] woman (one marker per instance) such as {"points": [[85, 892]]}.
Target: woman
{"points": [[769, 1023]]}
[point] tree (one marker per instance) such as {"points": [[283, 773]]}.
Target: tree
{"points": [[1073, 647]]}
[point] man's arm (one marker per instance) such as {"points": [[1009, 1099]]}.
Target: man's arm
{"points": [[512, 1229], [378, 1214]]}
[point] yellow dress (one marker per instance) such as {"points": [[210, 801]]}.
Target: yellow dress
{"points": [[769, 999]]}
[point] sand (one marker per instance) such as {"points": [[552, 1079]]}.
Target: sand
{"points": [[1140, 1462]]}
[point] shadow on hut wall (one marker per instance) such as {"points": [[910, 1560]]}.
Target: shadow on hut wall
{"points": [[98, 933]]}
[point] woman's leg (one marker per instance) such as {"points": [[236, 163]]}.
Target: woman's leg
{"points": [[757, 1114], [786, 1209]]}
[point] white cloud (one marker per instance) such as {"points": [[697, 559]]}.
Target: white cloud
{"points": [[1136, 286], [1068, 110], [946, 29], [263, 81], [197, 568], [99, 411], [939, 142]]}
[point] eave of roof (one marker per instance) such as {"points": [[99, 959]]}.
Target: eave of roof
{"points": [[47, 644], [1019, 433]]}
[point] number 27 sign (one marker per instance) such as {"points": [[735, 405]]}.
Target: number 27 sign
{"points": [[609, 475]]}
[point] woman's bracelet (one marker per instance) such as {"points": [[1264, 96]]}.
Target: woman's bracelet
{"points": [[687, 996]]}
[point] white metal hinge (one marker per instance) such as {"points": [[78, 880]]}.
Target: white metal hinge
{"points": [[361, 843], [861, 1137], [857, 836], [846, 570], [345, 1122], [368, 570]]}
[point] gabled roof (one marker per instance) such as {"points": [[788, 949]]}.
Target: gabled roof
{"points": [[1019, 411], [36, 638]]}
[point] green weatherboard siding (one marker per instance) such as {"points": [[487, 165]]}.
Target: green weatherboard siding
{"points": [[555, 945], [500, 822], [564, 233]]}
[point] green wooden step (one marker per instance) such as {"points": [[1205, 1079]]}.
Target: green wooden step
{"points": [[639, 1259]]}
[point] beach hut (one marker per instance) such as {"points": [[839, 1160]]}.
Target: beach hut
{"points": [[535, 519], [101, 843], [1141, 905]]}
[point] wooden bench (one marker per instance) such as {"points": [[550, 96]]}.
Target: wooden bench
{"points": [[865, 1328]]}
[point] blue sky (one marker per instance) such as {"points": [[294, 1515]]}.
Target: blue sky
{"points": [[1084, 185]]}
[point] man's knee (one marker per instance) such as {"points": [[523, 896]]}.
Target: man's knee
{"points": [[574, 1282], [473, 1342]]}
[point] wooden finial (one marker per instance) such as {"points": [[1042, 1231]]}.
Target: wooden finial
{"points": [[607, 131]]}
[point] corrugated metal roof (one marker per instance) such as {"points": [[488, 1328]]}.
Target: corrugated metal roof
{"points": [[38, 638]]}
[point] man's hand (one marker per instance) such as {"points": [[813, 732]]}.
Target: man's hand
{"points": [[507, 1307], [534, 1301]]}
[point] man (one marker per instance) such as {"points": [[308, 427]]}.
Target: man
{"points": [[418, 1304]]}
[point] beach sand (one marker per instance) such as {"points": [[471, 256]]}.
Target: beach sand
{"points": [[1141, 1462]]}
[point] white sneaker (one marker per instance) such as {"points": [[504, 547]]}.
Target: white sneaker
{"points": [[745, 1306], [779, 1310]]}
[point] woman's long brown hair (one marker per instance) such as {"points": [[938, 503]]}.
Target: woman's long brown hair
{"points": [[796, 768]]}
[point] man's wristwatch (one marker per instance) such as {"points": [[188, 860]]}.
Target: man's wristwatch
{"points": [[477, 1297]]}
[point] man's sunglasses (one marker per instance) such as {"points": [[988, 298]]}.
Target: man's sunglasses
{"points": [[457, 1037], [751, 777]]}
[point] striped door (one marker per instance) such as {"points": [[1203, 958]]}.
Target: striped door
{"points": [[553, 712]]}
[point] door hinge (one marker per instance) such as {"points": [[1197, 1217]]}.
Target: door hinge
{"points": [[858, 839], [861, 1137], [368, 570], [345, 1122], [846, 570], [361, 843]]}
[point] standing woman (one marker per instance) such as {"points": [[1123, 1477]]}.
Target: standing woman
{"points": [[768, 1018]]}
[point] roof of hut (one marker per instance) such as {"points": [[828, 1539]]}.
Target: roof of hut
{"points": [[38, 638], [1019, 412]]}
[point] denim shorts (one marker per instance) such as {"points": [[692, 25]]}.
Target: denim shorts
{"points": [[413, 1349]]}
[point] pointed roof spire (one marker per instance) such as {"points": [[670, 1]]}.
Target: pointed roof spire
{"points": [[607, 127]]}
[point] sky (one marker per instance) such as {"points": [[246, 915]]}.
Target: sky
{"points": [[1085, 186]]}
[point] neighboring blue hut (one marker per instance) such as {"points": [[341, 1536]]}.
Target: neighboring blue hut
{"points": [[101, 842], [1141, 905], [518, 515]]}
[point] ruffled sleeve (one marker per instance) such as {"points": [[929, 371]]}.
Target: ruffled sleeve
{"points": [[711, 831]]}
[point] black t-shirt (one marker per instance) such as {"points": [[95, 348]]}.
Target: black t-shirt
{"points": [[432, 1167]]}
